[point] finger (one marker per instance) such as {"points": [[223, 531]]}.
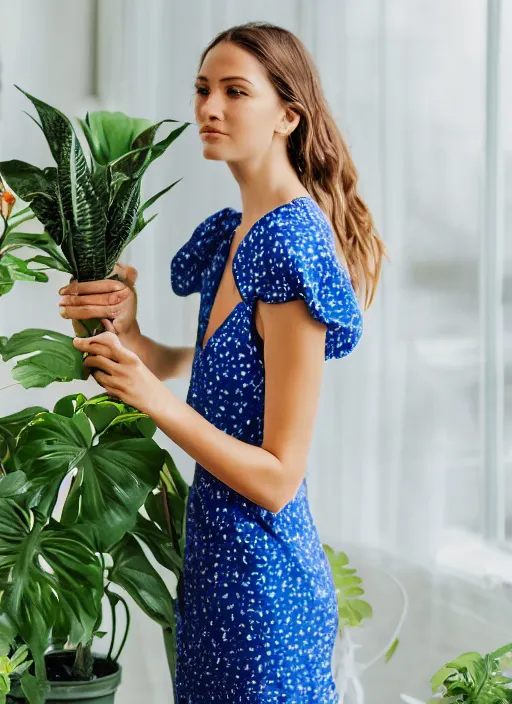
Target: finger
{"points": [[103, 363], [96, 349], [127, 273], [88, 312], [107, 339], [87, 287], [108, 325], [99, 299], [106, 381]]}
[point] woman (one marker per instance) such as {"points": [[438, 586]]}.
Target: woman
{"points": [[259, 612]]}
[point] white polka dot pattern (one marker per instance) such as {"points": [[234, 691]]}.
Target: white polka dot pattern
{"points": [[259, 611]]}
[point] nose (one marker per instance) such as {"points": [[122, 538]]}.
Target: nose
{"points": [[210, 107]]}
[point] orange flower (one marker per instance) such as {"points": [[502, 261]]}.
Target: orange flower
{"points": [[7, 202]]}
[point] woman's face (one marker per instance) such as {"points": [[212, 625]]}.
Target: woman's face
{"points": [[235, 96]]}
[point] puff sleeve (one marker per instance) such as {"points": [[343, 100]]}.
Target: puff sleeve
{"points": [[189, 262], [301, 263]]}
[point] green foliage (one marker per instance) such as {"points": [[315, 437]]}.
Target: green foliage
{"points": [[91, 211], [116, 469], [474, 679], [351, 609], [17, 664], [53, 357], [119, 492]]}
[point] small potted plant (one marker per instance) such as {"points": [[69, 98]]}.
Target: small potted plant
{"points": [[473, 679]]}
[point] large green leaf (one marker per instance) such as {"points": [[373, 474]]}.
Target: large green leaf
{"points": [[133, 572], [40, 241], [68, 405], [111, 134], [15, 422], [14, 269], [162, 545], [113, 478], [34, 595], [12, 485], [53, 357]]}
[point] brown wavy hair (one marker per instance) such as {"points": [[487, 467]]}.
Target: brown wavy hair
{"points": [[316, 149]]}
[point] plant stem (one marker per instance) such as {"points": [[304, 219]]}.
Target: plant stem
{"points": [[127, 628], [17, 383], [114, 624]]}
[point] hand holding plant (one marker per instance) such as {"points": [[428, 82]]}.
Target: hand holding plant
{"points": [[120, 371], [113, 299]]}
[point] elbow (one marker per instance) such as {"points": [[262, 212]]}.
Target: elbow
{"points": [[281, 499]]}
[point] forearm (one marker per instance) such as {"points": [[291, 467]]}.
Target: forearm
{"points": [[163, 361], [248, 469]]}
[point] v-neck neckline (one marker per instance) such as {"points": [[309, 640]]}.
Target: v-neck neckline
{"points": [[229, 241]]}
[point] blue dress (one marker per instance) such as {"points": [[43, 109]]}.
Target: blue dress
{"points": [[258, 615]]}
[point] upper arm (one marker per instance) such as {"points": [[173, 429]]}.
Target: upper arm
{"points": [[294, 355], [292, 262]]}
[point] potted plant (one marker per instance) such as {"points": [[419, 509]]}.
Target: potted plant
{"points": [[83, 487], [473, 679]]}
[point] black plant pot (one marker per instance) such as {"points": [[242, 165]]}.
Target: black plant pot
{"points": [[100, 690]]}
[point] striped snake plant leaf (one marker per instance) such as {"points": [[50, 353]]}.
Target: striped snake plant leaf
{"points": [[39, 188], [141, 223], [125, 175], [91, 212], [122, 217], [81, 208]]}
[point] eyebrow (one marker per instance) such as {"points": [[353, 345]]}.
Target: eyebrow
{"points": [[227, 78]]}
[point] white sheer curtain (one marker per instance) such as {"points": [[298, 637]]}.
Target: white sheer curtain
{"points": [[398, 452]]}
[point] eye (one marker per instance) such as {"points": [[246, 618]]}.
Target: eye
{"points": [[200, 90], [237, 92]]}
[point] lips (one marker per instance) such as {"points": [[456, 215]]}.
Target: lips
{"points": [[208, 130]]}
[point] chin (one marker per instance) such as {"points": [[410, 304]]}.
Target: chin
{"points": [[213, 153]]}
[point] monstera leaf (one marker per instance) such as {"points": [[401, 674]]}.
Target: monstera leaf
{"points": [[53, 357], [34, 596], [15, 422], [12, 485], [112, 480], [133, 572]]}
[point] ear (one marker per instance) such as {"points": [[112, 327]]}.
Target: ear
{"points": [[289, 121]]}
